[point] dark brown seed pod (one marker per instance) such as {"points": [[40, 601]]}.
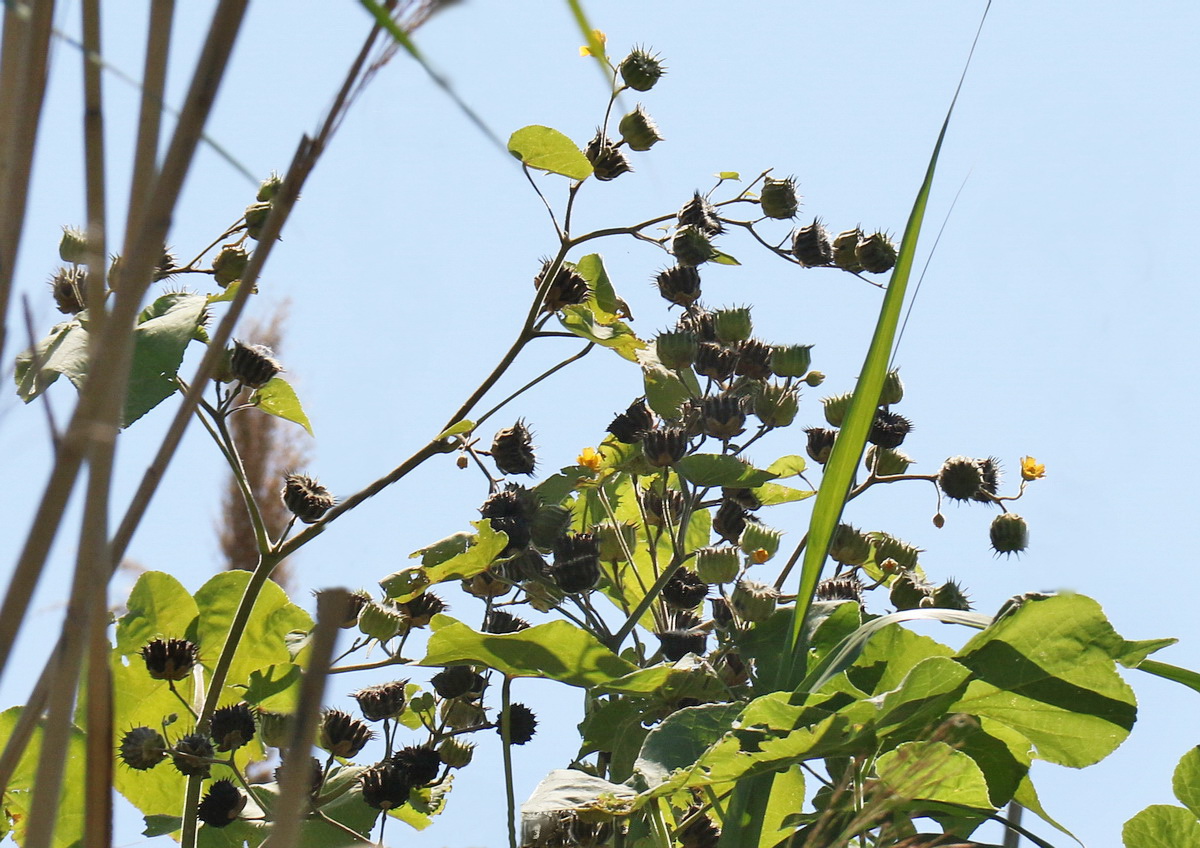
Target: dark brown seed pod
{"points": [[632, 425], [820, 443], [700, 832], [502, 621], [730, 521], [458, 681], [684, 591], [305, 498], [142, 748], [69, 288], [382, 701], [418, 765], [699, 322], [420, 610], [664, 446], [989, 485], [679, 284], [170, 659], [845, 588], [512, 450], [191, 754], [889, 429], [960, 478], [221, 805], [812, 245], [576, 563], [608, 160], [522, 724], [715, 362], [511, 511], [342, 735], [699, 213], [316, 780], [383, 787], [569, 287], [722, 417], [232, 726], [753, 359], [722, 613], [677, 644], [663, 510], [253, 365]]}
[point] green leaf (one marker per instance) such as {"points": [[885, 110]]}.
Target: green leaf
{"points": [[1002, 754], [278, 398], [1186, 781], [922, 698], [158, 607], [582, 320], [164, 330], [728, 175], [614, 726], [724, 258], [770, 494], [226, 295], [1161, 826], [464, 426], [443, 549], [690, 677], [557, 650], [666, 390], [1133, 653], [444, 563], [788, 466], [16, 804], [710, 469], [571, 789], [933, 771], [64, 351], [549, 150], [682, 738], [161, 825], [275, 688], [604, 297]]}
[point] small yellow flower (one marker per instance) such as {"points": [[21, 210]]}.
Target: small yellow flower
{"points": [[759, 556], [1031, 469], [589, 458], [585, 50]]}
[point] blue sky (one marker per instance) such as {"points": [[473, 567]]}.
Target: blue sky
{"points": [[1056, 319]]}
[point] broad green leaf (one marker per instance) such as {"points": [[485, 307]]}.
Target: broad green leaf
{"points": [[666, 390], [557, 650], [1027, 797], [227, 295], [164, 330], [583, 321], [278, 398], [571, 789], [710, 469], [921, 700], [1048, 671], [1161, 826], [728, 175], [480, 551], [614, 726], [933, 771], [788, 466], [464, 426], [786, 797], [549, 150], [275, 688], [161, 825], [443, 549], [682, 738], [15, 806], [690, 677], [64, 351], [606, 304], [1133, 653], [158, 607], [770, 494], [1002, 754], [1186, 781]]}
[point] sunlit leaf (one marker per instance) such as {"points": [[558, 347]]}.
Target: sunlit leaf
{"points": [[278, 398], [933, 771], [1161, 826], [464, 426], [582, 320], [707, 469], [549, 150], [164, 330], [1186, 781], [18, 795]]}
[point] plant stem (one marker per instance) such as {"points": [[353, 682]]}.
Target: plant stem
{"points": [[506, 736]]}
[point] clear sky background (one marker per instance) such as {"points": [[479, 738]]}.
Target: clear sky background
{"points": [[1057, 317]]}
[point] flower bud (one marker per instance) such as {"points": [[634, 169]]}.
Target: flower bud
{"points": [[608, 161], [230, 264], [640, 70], [72, 247], [875, 253], [733, 324], [1009, 534], [791, 360], [253, 365], [512, 450], [753, 601], [776, 406], [638, 130], [812, 245], [307, 499], [886, 462], [778, 198], [849, 545], [676, 351], [692, 247], [814, 378], [845, 250], [717, 565]]}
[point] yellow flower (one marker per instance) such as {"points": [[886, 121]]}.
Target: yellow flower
{"points": [[600, 37], [760, 556], [590, 459], [1031, 469]]}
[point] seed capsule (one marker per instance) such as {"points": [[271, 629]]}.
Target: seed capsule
{"points": [[679, 284], [685, 590], [910, 592], [732, 325], [778, 198], [640, 70], [382, 787], [232, 726], [72, 247], [191, 754], [307, 499], [458, 681], [677, 644], [849, 546], [142, 748], [68, 286], [722, 417], [715, 362], [845, 250], [753, 601], [382, 701], [730, 520], [632, 425], [886, 462], [170, 659], [699, 213], [889, 429], [791, 360], [893, 389], [836, 407], [417, 764], [455, 752], [812, 245], [1009, 534], [820, 443], [753, 359], [343, 735], [639, 130], [717, 565], [665, 446], [889, 547], [692, 247], [576, 563], [875, 253], [221, 805], [381, 621], [676, 350], [608, 161], [522, 724], [230, 264], [845, 588], [256, 218], [253, 365], [950, 595], [512, 450], [776, 406], [960, 478], [569, 287]]}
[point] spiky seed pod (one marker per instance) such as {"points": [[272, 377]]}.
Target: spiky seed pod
{"points": [[69, 289], [638, 130], [230, 264], [722, 417], [358, 600], [522, 724], [1009, 533], [835, 408], [745, 497], [679, 284], [875, 253], [456, 753], [691, 246], [383, 700], [663, 510], [753, 359], [256, 218], [791, 360], [717, 565], [417, 764], [170, 659], [910, 592], [732, 324], [699, 213], [221, 805], [950, 595], [753, 601], [343, 735], [268, 188], [676, 350], [382, 787], [576, 563], [844, 588], [893, 388], [700, 832], [812, 245], [253, 365], [759, 537], [462, 715], [820, 443], [685, 590], [845, 250], [316, 776], [641, 69], [665, 446], [72, 247], [609, 539], [989, 472], [633, 424], [849, 545], [501, 621], [190, 755], [381, 621], [511, 511], [722, 613], [142, 748], [548, 523], [458, 681], [420, 610], [886, 462], [569, 287], [889, 429], [274, 729], [960, 478], [166, 265], [232, 726], [512, 450], [776, 406], [677, 644], [608, 161], [715, 362], [305, 498], [889, 547], [699, 322], [778, 198], [730, 521], [486, 585]]}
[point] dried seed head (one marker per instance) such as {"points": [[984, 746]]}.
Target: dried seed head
{"points": [[232, 726], [699, 213], [753, 601], [69, 288], [778, 198], [820, 443], [417, 764], [699, 322], [384, 700], [641, 69], [684, 590], [420, 610], [677, 644], [812, 245], [608, 160], [230, 264], [142, 748], [569, 287], [316, 780], [889, 429], [715, 362], [989, 472], [191, 754], [222, 805], [512, 450], [486, 585], [664, 446], [663, 509], [631, 426], [730, 520], [876, 253], [458, 681], [383, 787], [501, 621], [511, 511], [638, 130], [170, 659], [253, 365], [691, 246], [679, 284], [358, 600], [718, 565], [522, 724], [462, 715], [753, 359], [791, 360], [700, 832], [889, 547], [950, 595], [1009, 533], [844, 588], [845, 250], [722, 613], [343, 735], [305, 498], [722, 417], [576, 563]]}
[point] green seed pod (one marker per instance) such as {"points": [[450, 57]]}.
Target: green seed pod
{"points": [[1010, 534], [692, 247], [455, 752], [951, 596], [69, 289], [875, 253], [778, 198], [72, 247], [759, 537], [889, 547], [679, 284], [845, 250], [609, 537], [640, 70], [886, 462], [849, 546], [608, 161], [256, 217], [639, 130], [676, 350], [460, 715], [814, 378], [776, 406], [380, 621], [836, 407], [960, 478], [142, 748], [268, 188], [274, 729], [910, 592], [893, 389], [812, 245], [718, 565], [791, 360], [548, 523], [732, 324], [230, 264], [753, 601]]}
